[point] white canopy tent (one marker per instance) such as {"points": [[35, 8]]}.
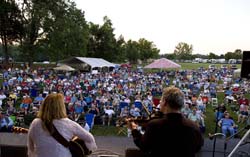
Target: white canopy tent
{"points": [[85, 63], [96, 62], [64, 67], [237, 73]]}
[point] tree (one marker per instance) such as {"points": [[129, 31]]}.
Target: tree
{"points": [[69, 40], [229, 55], [212, 56], [56, 28], [183, 51], [238, 54], [102, 42], [147, 49], [94, 39], [132, 53], [10, 25], [170, 56], [120, 49]]}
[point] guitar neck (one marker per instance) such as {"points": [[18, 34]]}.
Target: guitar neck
{"points": [[16, 129]]}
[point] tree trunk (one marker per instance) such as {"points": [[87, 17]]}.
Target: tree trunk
{"points": [[5, 51]]}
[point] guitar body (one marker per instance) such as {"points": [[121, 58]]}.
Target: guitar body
{"points": [[78, 148], [133, 152]]}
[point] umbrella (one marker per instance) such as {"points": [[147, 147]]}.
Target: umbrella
{"points": [[162, 63], [64, 67]]}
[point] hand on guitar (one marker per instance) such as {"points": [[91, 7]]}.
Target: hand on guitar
{"points": [[131, 124]]}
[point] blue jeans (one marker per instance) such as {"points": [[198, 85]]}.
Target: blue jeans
{"points": [[226, 128]]}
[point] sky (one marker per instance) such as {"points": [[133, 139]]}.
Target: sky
{"points": [[217, 26]]}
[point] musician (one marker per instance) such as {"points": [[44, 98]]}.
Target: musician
{"points": [[180, 136], [53, 112]]}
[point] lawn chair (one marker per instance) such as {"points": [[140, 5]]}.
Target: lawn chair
{"points": [[214, 102], [122, 105], [138, 104], [13, 118], [89, 117]]}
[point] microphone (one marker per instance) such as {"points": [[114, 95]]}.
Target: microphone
{"points": [[211, 136]]}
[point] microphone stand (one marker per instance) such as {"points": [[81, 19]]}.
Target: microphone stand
{"points": [[215, 130], [214, 136]]}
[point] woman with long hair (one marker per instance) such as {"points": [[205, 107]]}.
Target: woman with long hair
{"points": [[53, 113]]}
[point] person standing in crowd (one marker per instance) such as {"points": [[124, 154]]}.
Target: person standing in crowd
{"points": [[2, 97], [53, 112], [173, 129]]}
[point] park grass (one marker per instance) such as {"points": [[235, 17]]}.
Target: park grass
{"points": [[100, 130]]}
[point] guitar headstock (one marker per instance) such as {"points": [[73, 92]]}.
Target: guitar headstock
{"points": [[18, 130]]}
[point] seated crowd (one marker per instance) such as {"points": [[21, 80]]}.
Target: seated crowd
{"points": [[121, 93]]}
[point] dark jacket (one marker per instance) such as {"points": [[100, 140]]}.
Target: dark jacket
{"points": [[171, 136]]}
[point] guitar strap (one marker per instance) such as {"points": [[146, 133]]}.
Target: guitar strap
{"points": [[54, 133]]}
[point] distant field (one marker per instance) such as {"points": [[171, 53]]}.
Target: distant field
{"points": [[204, 65]]}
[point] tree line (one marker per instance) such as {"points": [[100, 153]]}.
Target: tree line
{"points": [[53, 30], [184, 51]]}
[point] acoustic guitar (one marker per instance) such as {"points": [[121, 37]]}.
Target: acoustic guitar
{"points": [[76, 145]]}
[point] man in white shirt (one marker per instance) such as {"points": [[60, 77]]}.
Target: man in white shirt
{"points": [[108, 113], [2, 97], [230, 99]]}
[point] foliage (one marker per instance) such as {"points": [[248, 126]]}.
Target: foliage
{"points": [[10, 25], [237, 54], [183, 51], [69, 40], [132, 52], [212, 56], [102, 42], [55, 30]]}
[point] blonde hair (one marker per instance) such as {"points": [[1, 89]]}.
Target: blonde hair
{"points": [[53, 107]]}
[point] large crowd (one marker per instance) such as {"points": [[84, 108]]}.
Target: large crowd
{"points": [[122, 92]]}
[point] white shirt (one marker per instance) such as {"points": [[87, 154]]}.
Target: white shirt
{"points": [[109, 112], [2, 96], [42, 144]]}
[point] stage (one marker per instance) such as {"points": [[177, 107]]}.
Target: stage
{"points": [[116, 146]]}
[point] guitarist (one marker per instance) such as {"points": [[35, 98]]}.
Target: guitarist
{"points": [[53, 114], [173, 134]]}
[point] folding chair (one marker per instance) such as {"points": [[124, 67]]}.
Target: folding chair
{"points": [[122, 130], [138, 104], [13, 119], [122, 105], [214, 102], [89, 117]]}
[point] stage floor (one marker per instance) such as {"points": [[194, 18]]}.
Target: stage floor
{"points": [[114, 145]]}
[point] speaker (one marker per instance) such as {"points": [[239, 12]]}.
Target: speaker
{"points": [[245, 65]]}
